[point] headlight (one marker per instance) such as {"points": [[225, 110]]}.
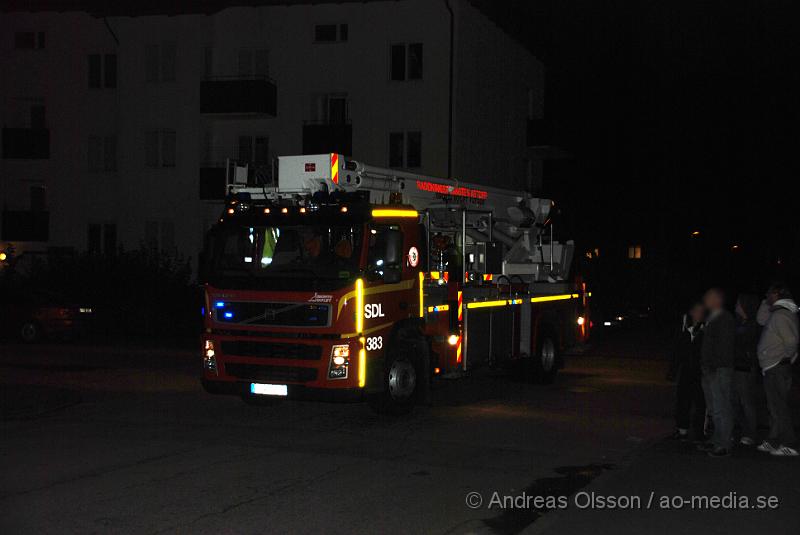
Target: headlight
{"points": [[209, 357], [452, 339], [340, 362]]}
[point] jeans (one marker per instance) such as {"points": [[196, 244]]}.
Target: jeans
{"points": [[744, 398], [720, 385], [690, 406], [777, 384], [706, 385]]}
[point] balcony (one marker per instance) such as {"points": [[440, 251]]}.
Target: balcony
{"points": [[238, 96], [320, 138], [539, 133], [26, 143], [25, 225]]}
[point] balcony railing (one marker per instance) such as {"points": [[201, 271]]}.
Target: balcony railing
{"points": [[25, 225], [214, 176], [322, 137], [238, 95], [26, 143]]}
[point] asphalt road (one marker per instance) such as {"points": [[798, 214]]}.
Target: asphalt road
{"points": [[123, 440]]}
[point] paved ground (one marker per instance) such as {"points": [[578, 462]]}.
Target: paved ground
{"points": [[123, 440]]}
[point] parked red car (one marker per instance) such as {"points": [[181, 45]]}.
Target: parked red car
{"points": [[33, 315]]}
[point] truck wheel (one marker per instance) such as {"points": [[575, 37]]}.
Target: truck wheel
{"points": [[30, 332], [546, 360], [405, 380]]}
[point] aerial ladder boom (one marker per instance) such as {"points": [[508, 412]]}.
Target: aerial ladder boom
{"points": [[481, 213]]}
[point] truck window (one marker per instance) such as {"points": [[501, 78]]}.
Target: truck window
{"points": [[385, 247]]}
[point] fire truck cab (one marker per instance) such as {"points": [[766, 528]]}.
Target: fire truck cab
{"points": [[344, 280]]}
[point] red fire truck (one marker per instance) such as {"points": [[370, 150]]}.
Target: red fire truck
{"points": [[361, 282]]}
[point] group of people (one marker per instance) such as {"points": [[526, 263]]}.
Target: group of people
{"points": [[722, 359]]}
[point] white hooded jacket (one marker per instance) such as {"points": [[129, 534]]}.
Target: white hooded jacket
{"points": [[781, 334]]}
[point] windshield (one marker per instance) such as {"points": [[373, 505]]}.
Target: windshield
{"points": [[260, 256]]}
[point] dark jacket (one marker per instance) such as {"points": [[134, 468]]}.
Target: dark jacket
{"points": [[746, 355], [718, 341], [686, 352]]}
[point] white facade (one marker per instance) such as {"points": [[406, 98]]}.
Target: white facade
{"points": [[113, 178]]}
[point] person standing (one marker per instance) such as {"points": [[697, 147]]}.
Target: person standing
{"points": [[777, 351], [690, 406], [716, 360], [745, 374]]}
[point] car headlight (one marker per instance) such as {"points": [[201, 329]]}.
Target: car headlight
{"points": [[340, 362]]}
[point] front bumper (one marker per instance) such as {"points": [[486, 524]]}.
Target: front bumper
{"points": [[299, 392]]}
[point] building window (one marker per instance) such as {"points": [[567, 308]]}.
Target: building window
{"points": [[160, 147], [635, 252], [102, 71], [405, 149], [38, 115], [110, 67], [331, 33], [160, 235], [405, 61], [208, 61], [336, 109], [102, 238], [38, 198], [102, 153], [29, 40], [159, 60], [253, 62], [253, 149]]}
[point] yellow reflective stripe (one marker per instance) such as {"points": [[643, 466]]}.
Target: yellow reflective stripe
{"points": [[421, 294], [487, 304], [394, 212], [362, 363], [545, 298], [359, 305]]}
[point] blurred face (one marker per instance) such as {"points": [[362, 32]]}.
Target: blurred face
{"points": [[772, 296], [697, 313], [712, 300]]}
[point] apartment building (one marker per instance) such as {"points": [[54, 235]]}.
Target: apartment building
{"points": [[116, 125]]}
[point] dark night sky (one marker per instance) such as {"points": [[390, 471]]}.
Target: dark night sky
{"points": [[681, 116], [680, 110]]}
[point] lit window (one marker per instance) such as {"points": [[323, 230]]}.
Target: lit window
{"points": [[635, 252]]}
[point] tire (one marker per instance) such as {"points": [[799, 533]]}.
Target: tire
{"points": [[547, 360], [405, 378], [30, 332]]}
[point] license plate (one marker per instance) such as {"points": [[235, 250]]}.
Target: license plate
{"points": [[268, 390]]}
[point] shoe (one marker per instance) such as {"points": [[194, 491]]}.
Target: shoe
{"points": [[784, 451], [705, 446], [766, 447], [718, 452], [747, 441]]}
